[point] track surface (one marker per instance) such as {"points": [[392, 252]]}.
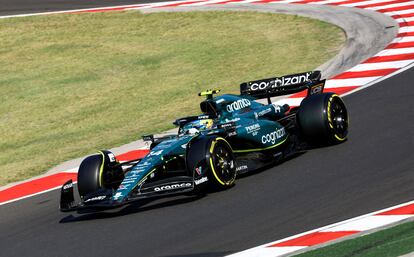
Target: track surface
{"points": [[11, 7], [371, 171]]}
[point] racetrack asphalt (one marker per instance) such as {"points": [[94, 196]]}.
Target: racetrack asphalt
{"points": [[371, 171], [13, 7]]}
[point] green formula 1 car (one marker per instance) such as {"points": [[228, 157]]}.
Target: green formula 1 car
{"points": [[234, 134]]}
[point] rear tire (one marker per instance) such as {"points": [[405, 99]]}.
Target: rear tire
{"points": [[323, 119]]}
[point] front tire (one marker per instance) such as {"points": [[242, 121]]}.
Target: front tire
{"points": [[323, 118], [212, 157], [222, 165], [97, 172]]}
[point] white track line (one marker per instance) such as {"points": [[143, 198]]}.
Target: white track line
{"points": [[268, 252], [73, 170], [396, 51], [251, 251], [333, 83], [390, 6], [403, 39], [408, 19], [406, 29], [27, 196], [399, 12], [368, 223], [380, 65], [204, 3], [379, 80], [244, 2], [327, 2], [356, 4]]}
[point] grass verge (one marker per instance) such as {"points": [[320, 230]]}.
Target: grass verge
{"points": [[72, 84], [391, 242]]}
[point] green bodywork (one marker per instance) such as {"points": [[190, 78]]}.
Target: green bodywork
{"points": [[253, 128]]}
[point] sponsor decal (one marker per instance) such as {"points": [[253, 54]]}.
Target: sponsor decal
{"points": [[127, 181], [253, 129], [67, 186], [117, 195], [165, 144], [277, 108], [203, 117], [199, 170], [227, 125], [142, 164], [260, 85], [232, 134], [121, 187], [201, 180], [292, 80], [316, 89], [172, 187], [220, 101], [242, 167], [280, 82], [272, 137], [238, 105], [111, 157], [147, 138], [169, 141], [230, 120], [277, 155], [134, 174], [155, 153], [136, 171], [264, 112], [96, 198]]}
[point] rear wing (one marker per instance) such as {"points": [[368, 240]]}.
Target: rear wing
{"points": [[285, 85]]}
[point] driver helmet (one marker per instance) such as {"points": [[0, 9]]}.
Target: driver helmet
{"points": [[196, 126]]}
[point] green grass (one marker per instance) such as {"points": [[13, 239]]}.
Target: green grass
{"points": [[390, 242], [72, 84]]}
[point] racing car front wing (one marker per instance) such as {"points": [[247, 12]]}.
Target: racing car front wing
{"points": [[104, 199]]}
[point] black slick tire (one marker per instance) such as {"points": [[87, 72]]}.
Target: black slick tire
{"points": [[98, 172], [323, 119], [214, 157], [89, 174]]}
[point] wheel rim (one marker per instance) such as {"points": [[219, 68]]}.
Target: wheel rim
{"points": [[339, 118], [223, 162]]}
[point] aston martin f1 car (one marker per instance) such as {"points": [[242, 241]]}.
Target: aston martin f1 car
{"points": [[234, 134]]}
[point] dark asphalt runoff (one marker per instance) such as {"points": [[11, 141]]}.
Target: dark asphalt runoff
{"points": [[371, 171], [12, 7]]}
